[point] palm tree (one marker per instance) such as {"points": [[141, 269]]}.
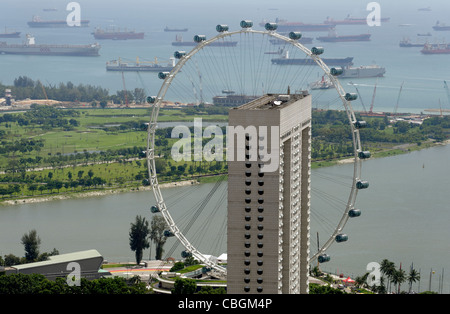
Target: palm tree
{"points": [[413, 276], [138, 237], [387, 268], [398, 277]]}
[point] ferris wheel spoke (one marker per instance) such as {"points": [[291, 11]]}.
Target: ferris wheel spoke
{"points": [[218, 66]]}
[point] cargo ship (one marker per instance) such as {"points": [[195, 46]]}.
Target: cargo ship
{"points": [[7, 34], [218, 43], [285, 60], [38, 23], [303, 40], [325, 83], [333, 37], [116, 34], [441, 27], [364, 71], [30, 48], [167, 29], [429, 49], [352, 21], [138, 66], [406, 43], [285, 26]]}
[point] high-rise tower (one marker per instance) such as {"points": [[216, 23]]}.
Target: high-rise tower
{"points": [[269, 168]]}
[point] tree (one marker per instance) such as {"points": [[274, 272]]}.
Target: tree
{"points": [[184, 286], [413, 276], [398, 278], [387, 268], [157, 227], [138, 237], [31, 242]]}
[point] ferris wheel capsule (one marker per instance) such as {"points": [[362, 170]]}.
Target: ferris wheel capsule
{"points": [[151, 99], [336, 71], [168, 233], [186, 254], [271, 26], [222, 28], [154, 209], [324, 258], [360, 185], [341, 238], [351, 96], [163, 75], [295, 35], [354, 213], [364, 154], [179, 54], [360, 124], [199, 38], [246, 24], [317, 50]]}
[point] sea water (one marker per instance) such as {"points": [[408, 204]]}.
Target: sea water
{"points": [[421, 76]]}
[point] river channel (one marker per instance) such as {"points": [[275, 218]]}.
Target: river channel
{"points": [[405, 218]]}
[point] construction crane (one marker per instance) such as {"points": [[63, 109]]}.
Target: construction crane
{"points": [[43, 90], [359, 96], [448, 92], [125, 90], [373, 98], [398, 99]]}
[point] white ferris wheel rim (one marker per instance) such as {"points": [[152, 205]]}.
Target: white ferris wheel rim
{"points": [[153, 124]]}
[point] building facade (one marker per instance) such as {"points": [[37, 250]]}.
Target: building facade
{"points": [[269, 142]]}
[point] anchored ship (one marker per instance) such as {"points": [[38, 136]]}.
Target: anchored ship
{"points": [[167, 29], [116, 34], [406, 43], [333, 37], [363, 71], [325, 83], [8, 34], [352, 21], [303, 40], [285, 26], [30, 48], [138, 66], [38, 23], [441, 27], [430, 49], [285, 60]]}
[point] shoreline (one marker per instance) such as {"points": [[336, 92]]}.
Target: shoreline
{"points": [[48, 198], [57, 197]]}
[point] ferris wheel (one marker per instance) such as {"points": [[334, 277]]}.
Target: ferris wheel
{"points": [[233, 67]]}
